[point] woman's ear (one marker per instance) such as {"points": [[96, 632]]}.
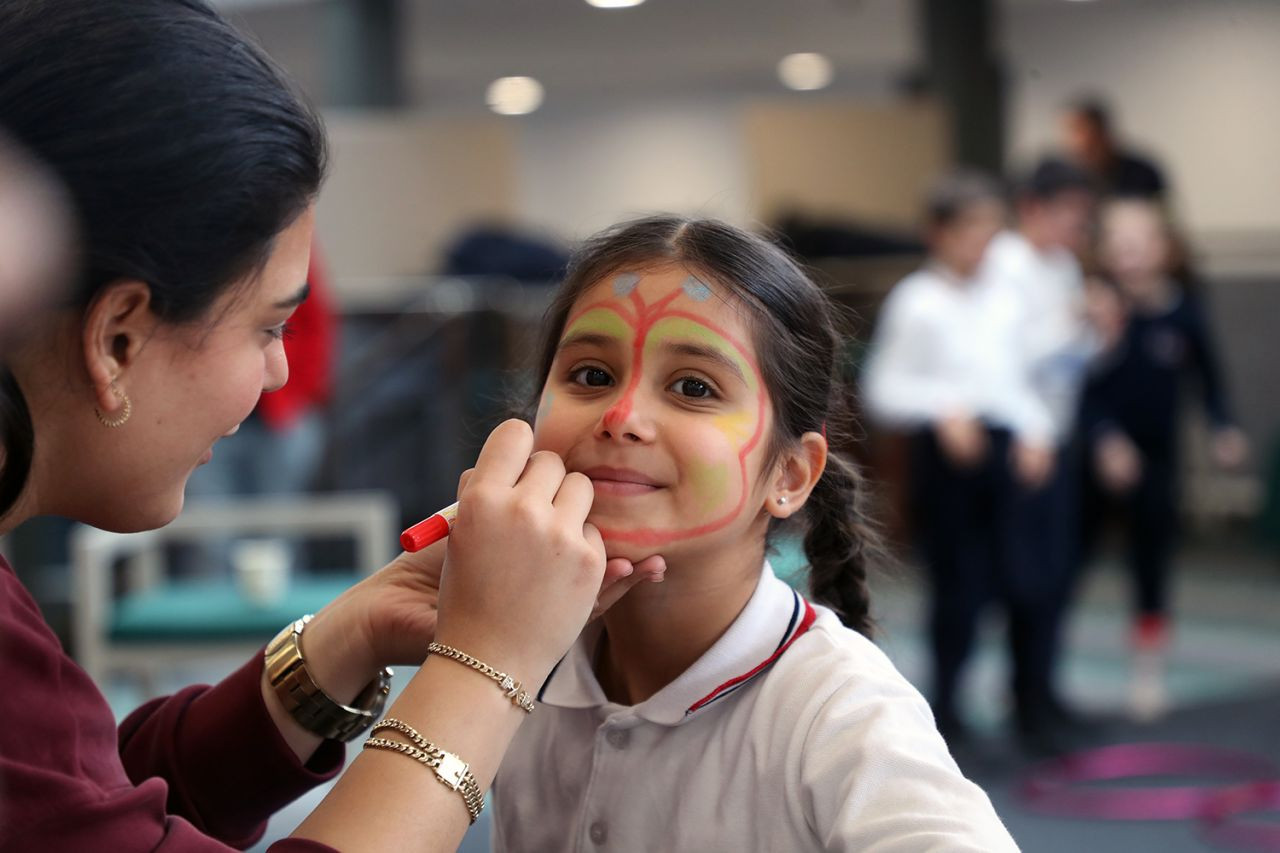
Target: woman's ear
{"points": [[798, 471], [116, 325]]}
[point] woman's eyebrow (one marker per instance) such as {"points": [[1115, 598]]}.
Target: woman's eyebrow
{"points": [[703, 351], [297, 298]]}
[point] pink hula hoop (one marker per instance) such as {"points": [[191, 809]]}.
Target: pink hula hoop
{"points": [[1220, 823], [1059, 788]]}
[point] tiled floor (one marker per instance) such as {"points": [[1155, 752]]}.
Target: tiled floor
{"points": [[1227, 643]]}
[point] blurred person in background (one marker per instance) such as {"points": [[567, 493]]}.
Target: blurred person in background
{"points": [[946, 365], [1132, 408], [1035, 269], [1089, 141]]}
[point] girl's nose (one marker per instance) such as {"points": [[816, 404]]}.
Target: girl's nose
{"points": [[626, 420]]}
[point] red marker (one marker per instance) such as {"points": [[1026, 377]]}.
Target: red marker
{"points": [[430, 530]]}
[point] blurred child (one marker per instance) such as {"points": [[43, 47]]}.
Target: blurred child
{"points": [[947, 365], [1132, 407], [691, 371], [1036, 266]]}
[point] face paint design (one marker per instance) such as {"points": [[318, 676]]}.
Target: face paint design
{"points": [[719, 488], [695, 289], [544, 405]]}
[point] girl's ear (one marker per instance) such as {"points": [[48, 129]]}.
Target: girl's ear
{"points": [[798, 471], [116, 325]]}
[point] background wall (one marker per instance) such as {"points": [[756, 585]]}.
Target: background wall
{"points": [[1192, 81]]}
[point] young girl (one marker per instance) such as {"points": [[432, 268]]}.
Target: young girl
{"points": [[689, 370], [1132, 408]]}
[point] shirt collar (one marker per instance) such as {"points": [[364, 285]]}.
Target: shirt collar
{"points": [[773, 618]]}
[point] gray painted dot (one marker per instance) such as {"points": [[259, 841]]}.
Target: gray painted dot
{"points": [[624, 283], [696, 290]]}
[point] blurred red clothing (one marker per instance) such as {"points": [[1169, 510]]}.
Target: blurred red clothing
{"points": [[309, 346]]}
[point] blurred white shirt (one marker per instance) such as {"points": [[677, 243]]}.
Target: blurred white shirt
{"points": [[946, 346], [1055, 340], [791, 732]]}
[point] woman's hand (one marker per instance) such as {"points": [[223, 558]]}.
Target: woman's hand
{"points": [[390, 617], [523, 567]]}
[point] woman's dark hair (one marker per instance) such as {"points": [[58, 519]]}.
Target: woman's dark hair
{"points": [[798, 347], [954, 194], [183, 149]]}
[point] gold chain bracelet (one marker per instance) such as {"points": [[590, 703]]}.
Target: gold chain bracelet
{"points": [[513, 689], [451, 770]]}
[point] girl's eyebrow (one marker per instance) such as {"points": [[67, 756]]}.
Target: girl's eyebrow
{"points": [[595, 339], [709, 353]]}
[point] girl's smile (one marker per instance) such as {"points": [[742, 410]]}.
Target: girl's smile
{"points": [[654, 394]]}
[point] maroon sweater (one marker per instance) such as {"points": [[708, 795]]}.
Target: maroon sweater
{"points": [[197, 771]]}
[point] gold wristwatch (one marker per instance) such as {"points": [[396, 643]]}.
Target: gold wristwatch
{"points": [[315, 710]]}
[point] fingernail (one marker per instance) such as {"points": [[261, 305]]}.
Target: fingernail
{"points": [[657, 578]]}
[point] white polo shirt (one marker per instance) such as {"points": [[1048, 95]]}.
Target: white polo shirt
{"points": [[791, 733], [1057, 342], [944, 346]]}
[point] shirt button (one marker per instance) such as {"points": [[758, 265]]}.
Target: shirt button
{"points": [[599, 832], [618, 738]]}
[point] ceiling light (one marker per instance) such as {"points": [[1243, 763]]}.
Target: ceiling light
{"points": [[514, 96], [805, 71], [614, 4]]}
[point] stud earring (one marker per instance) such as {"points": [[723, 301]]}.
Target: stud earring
{"points": [[782, 501]]}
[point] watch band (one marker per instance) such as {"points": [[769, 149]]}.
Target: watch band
{"points": [[315, 710]]}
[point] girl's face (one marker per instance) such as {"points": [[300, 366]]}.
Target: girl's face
{"points": [[961, 244], [1134, 246], [656, 396]]}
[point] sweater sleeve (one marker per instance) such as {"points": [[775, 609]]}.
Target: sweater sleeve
{"points": [[193, 773], [227, 766]]}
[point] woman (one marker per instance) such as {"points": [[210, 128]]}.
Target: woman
{"points": [[193, 170]]}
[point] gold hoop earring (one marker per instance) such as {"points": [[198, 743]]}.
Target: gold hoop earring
{"points": [[119, 419]]}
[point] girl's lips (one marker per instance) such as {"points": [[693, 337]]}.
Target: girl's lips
{"points": [[621, 481], [622, 487]]}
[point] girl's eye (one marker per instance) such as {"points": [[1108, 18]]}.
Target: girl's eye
{"points": [[279, 333], [592, 377], [690, 387]]}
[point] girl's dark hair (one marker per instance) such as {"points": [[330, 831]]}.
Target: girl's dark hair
{"points": [[183, 149], [798, 349]]}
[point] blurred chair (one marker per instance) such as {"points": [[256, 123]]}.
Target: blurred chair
{"points": [[142, 619]]}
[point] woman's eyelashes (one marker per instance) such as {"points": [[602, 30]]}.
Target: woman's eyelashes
{"points": [[280, 332]]}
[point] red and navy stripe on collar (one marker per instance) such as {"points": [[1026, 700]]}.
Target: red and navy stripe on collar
{"points": [[793, 633]]}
